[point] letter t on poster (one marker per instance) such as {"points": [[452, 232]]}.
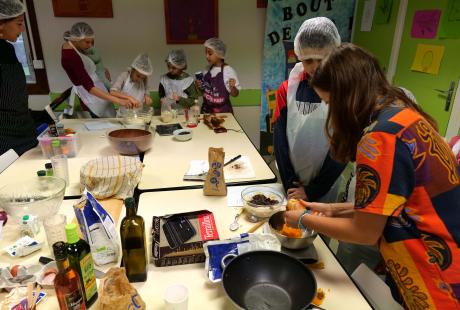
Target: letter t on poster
{"points": [[368, 15]]}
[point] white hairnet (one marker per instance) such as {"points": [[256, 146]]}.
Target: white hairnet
{"points": [[217, 45], [11, 9], [409, 94], [143, 64], [177, 59], [79, 31], [315, 38]]}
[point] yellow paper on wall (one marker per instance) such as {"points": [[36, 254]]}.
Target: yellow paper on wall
{"points": [[428, 58]]}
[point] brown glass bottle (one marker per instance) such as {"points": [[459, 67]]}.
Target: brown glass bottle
{"points": [[67, 282], [81, 260], [132, 234]]}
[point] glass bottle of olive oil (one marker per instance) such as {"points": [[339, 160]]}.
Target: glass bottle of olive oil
{"points": [[132, 234], [81, 260]]}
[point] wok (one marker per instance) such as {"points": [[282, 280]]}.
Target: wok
{"points": [[268, 280]]}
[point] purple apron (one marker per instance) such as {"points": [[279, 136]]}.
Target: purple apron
{"points": [[216, 98]]}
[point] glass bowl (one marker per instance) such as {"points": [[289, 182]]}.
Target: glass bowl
{"points": [[258, 209], [137, 117], [40, 196]]}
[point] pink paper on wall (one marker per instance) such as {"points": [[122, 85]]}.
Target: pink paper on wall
{"points": [[425, 24]]}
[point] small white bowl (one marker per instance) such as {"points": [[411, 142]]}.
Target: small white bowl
{"points": [[183, 134]]}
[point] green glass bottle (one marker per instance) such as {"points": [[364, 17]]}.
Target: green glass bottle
{"points": [[81, 260], [132, 233]]}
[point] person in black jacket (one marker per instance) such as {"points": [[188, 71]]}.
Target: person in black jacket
{"points": [[301, 148], [17, 128]]}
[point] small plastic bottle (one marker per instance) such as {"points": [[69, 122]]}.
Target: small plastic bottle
{"points": [[43, 185], [49, 169], [53, 130], [196, 110], [56, 145], [26, 227], [60, 129]]}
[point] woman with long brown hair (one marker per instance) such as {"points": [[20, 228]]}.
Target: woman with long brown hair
{"points": [[407, 191]]}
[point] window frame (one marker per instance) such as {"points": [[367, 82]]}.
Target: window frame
{"points": [[41, 86]]}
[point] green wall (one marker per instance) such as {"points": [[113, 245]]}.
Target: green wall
{"points": [[246, 98], [380, 39]]}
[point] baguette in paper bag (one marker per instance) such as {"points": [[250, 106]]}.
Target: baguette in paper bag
{"points": [[214, 185], [117, 293]]}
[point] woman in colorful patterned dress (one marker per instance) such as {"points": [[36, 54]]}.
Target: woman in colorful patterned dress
{"points": [[407, 191]]}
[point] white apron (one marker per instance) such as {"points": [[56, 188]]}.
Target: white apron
{"points": [[135, 90], [307, 140], [308, 144], [98, 106], [176, 86]]}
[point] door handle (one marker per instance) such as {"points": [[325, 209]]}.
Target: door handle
{"points": [[448, 94]]}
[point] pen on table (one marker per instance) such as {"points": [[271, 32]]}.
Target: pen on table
{"points": [[232, 160], [228, 162]]}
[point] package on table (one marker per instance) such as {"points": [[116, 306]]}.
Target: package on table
{"points": [[177, 239], [98, 229]]}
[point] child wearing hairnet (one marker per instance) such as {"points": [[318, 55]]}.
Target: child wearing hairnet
{"points": [[219, 80], [133, 83], [177, 85]]}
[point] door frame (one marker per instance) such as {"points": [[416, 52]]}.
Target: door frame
{"points": [[397, 37], [453, 126]]}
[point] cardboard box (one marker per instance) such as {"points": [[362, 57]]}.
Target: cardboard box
{"points": [[191, 251]]}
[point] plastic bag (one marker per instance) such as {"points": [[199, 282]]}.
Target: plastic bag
{"points": [[216, 250], [98, 228]]}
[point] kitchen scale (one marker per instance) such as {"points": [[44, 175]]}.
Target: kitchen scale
{"points": [[306, 256]]}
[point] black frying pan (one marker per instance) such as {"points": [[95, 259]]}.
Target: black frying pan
{"points": [[268, 280]]}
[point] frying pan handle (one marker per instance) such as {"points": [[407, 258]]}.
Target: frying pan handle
{"points": [[229, 257]]}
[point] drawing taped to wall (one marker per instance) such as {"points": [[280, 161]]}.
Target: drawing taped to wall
{"points": [[425, 24], [428, 58]]}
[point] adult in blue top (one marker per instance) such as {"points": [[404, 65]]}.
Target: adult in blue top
{"points": [[301, 147]]}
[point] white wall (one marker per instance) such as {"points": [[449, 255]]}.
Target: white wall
{"points": [[138, 26]]}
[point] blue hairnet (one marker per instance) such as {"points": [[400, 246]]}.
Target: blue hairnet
{"points": [[177, 59], [315, 38], [217, 45], [79, 31], [11, 9], [143, 64]]}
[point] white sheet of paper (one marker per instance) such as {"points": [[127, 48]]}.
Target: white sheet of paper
{"points": [[100, 125], [234, 196], [239, 169], [368, 15]]}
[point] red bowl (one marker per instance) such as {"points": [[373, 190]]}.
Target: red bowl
{"points": [[130, 141]]}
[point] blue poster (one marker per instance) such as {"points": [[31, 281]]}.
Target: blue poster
{"points": [[284, 18]]}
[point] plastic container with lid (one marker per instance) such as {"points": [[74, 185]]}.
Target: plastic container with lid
{"points": [[68, 144]]}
